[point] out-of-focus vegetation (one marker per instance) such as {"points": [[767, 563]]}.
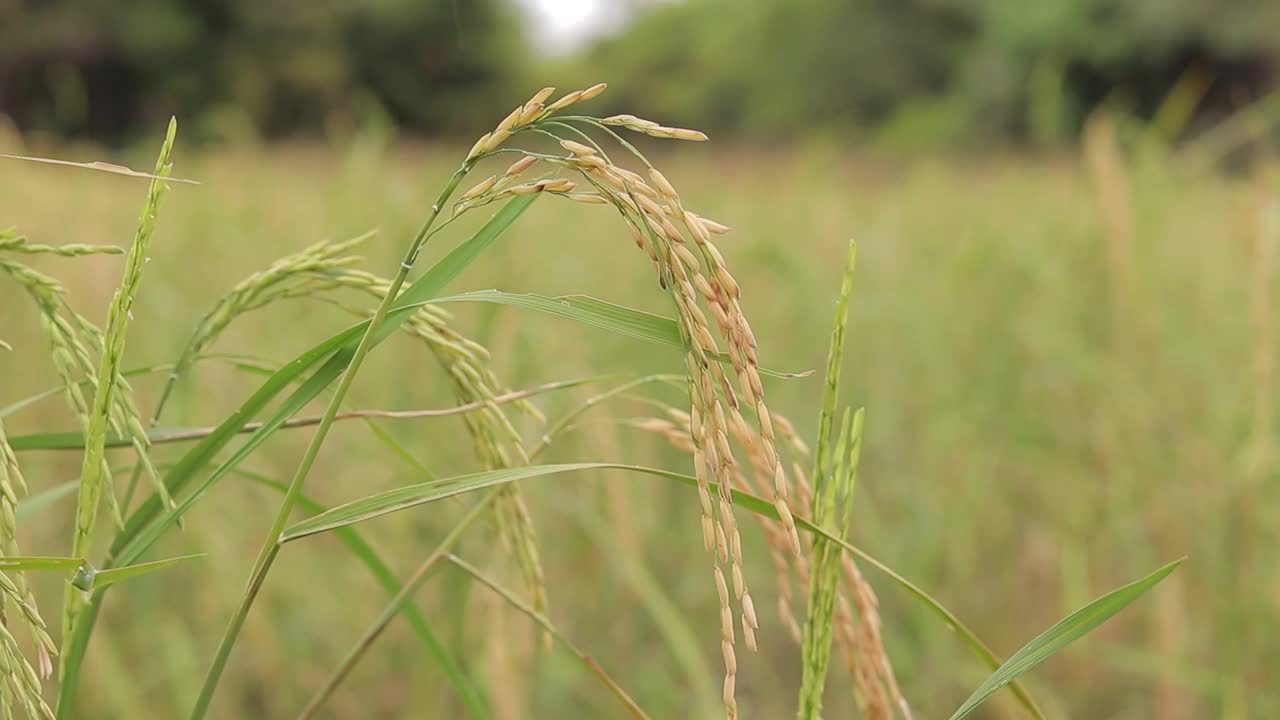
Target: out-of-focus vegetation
{"points": [[1068, 369], [1067, 357], [909, 72], [243, 67], [936, 70]]}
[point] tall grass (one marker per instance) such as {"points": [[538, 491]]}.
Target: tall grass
{"points": [[747, 461]]}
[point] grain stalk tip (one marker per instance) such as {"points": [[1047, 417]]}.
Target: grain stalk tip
{"points": [[110, 391]]}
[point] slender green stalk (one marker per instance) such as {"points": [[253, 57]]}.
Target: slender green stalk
{"points": [[406, 592], [835, 360], [75, 441], [591, 402], [92, 477], [630, 704], [833, 479], [825, 572], [270, 546]]}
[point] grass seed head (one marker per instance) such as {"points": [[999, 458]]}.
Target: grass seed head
{"points": [[714, 227], [530, 113], [566, 101], [479, 147], [509, 122], [686, 134], [593, 91], [480, 188], [589, 162], [519, 166], [541, 96], [495, 140], [664, 186], [577, 148]]}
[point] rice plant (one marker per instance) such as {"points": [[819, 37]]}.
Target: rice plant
{"points": [[746, 459]]}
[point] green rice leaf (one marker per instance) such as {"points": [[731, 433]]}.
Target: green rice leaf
{"points": [[39, 563], [402, 498], [386, 578], [587, 310], [600, 314], [72, 440], [1062, 634], [103, 578]]}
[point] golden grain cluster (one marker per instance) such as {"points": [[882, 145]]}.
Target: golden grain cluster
{"points": [[690, 267]]}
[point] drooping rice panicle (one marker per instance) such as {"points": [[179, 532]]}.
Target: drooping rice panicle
{"points": [[316, 272], [692, 270], [70, 347], [301, 274], [21, 680], [857, 619]]}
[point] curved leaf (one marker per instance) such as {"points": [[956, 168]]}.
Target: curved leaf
{"points": [[600, 314], [386, 578], [1061, 634], [39, 563], [413, 495], [74, 440], [103, 578], [514, 600]]}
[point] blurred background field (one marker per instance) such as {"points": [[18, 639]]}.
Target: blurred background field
{"points": [[1063, 329]]}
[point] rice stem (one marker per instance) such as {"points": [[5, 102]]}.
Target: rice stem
{"points": [[270, 546]]}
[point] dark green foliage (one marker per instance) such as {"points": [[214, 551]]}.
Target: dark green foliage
{"points": [[106, 68], [931, 69]]}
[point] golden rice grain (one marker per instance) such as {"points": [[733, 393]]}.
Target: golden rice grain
{"points": [[521, 165], [577, 148]]}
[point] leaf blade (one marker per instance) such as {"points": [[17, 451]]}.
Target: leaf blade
{"points": [[111, 576], [597, 313], [457, 485], [39, 563], [386, 579], [1061, 634]]}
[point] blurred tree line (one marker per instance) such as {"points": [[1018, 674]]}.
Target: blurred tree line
{"points": [[936, 70], [102, 68], [914, 70]]}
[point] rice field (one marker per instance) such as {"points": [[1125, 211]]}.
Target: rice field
{"points": [[1066, 363]]}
